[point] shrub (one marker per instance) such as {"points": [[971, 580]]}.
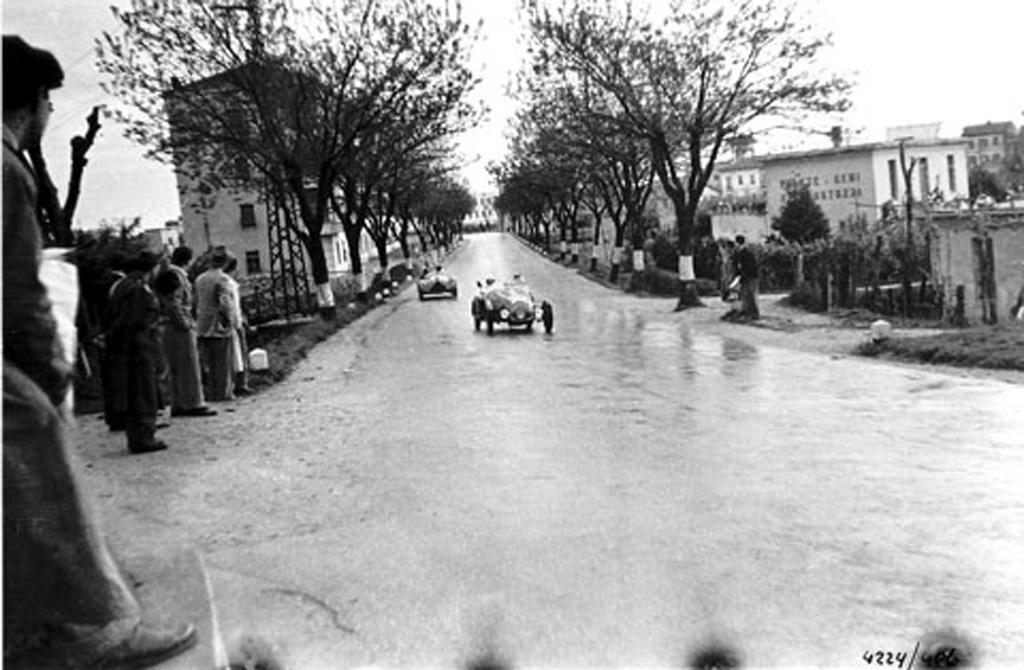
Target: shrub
{"points": [[806, 296], [777, 265], [655, 281], [801, 218], [664, 254], [707, 262]]}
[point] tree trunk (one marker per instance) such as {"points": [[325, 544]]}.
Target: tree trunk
{"points": [[561, 238], [575, 240], [382, 252], [352, 238], [685, 222], [321, 277], [79, 148], [54, 227], [613, 275]]}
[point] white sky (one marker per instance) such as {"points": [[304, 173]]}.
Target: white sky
{"points": [[915, 61]]}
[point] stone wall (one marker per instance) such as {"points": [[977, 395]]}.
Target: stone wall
{"points": [[956, 262]]}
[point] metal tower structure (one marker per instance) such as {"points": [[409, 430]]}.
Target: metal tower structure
{"points": [[289, 276]]}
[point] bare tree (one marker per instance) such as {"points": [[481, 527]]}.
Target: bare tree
{"points": [[285, 94], [687, 84]]}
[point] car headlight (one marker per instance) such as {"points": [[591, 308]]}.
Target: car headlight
{"points": [[504, 313]]}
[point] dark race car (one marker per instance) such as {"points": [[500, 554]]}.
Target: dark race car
{"points": [[511, 303], [437, 282]]}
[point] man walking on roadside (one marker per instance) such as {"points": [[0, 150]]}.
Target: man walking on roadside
{"points": [[180, 345], [215, 323], [64, 597], [746, 268]]}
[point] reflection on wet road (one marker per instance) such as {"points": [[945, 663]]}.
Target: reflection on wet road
{"points": [[628, 489]]}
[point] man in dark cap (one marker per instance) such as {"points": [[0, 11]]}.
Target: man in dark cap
{"points": [[135, 350], [59, 579], [216, 321]]}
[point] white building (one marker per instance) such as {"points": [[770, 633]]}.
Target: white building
{"points": [[165, 239], [238, 220], [739, 180], [853, 181]]}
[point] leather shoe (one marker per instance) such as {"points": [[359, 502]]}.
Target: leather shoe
{"points": [[146, 646], [156, 445], [195, 411]]}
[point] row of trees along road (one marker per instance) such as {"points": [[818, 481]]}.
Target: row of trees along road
{"points": [[615, 99], [346, 108]]}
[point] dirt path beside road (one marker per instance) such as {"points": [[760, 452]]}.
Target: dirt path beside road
{"points": [[790, 328]]}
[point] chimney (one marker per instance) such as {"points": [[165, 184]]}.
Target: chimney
{"points": [[836, 135]]}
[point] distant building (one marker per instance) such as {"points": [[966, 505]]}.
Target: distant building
{"points": [[739, 181], [484, 213], [915, 131], [852, 181], [165, 239], [989, 143]]}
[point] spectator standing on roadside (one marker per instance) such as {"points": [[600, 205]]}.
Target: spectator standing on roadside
{"points": [[61, 586], [215, 324], [746, 267], [727, 257], [180, 346], [113, 419], [239, 344], [135, 348]]}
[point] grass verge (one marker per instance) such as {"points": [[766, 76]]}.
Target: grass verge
{"points": [[288, 343], [993, 347]]}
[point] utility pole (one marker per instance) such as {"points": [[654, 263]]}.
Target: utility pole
{"points": [[253, 9], [908, 253]]}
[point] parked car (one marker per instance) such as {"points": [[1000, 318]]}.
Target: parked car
{"points": [[437, 282], [511, 303]]}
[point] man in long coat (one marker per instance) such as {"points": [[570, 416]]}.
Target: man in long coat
{"points": [[746, 268], [136, 353], [59, 577], [215, 324], [180, 346]]}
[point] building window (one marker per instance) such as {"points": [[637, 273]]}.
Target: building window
{"points": [[983, 143], [252, 263], [247, 214], [951, 171], [970, 144], [728, 183], [997, 157], [972, 161], [739, 180], [995, 140], [923, 176], [241, 169], [893, 181]]}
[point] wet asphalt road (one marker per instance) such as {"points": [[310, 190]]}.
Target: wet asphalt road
{"points": [[625, 491]]}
